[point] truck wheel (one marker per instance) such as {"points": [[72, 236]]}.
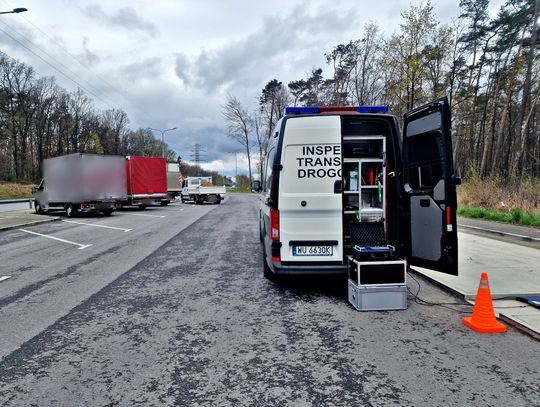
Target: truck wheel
{"points": [[38, 208], [142, 207], [108, 212], [71, 211], [164, 203]]}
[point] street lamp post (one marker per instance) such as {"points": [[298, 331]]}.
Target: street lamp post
{"points": [[162, 138], [15, 11]]}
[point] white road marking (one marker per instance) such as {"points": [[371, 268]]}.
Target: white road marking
{"points": [[97, 226], [181, 209], [81, 246], [140, 214], [500, 232], [4, 278]]}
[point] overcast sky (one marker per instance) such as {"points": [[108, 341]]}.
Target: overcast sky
{"points": [[170, 63]]}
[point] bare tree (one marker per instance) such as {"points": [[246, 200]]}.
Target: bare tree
{"points": [[239, 124]]}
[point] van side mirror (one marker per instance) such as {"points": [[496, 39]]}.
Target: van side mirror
{"points": [[338, 187], [256, 186]]}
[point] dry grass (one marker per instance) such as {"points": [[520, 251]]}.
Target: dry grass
{"points": [[10, 190], [501, 195]]}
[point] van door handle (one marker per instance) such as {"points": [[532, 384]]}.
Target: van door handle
{"points": [[338, 187], [424, 203]]}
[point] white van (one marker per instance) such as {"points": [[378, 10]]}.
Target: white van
{"points": [[328, 167]]}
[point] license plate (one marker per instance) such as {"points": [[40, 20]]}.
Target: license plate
{"points": [[313, 251]]}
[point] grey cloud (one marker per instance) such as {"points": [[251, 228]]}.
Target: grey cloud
{"points": [[147, 68], [183, 68], [90, 57], [125, 17], [282, 40]]}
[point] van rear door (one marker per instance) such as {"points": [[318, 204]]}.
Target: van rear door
{"points": [[430, 187], [310, 215]]}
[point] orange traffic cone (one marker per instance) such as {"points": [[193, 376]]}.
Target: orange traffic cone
{"points": [[483, 316]]}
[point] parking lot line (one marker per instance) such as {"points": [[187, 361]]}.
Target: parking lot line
{"points": [[140, 214], [4, 278], [81, 246], [97, 226]]}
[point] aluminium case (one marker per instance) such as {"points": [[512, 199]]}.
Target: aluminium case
{"points": [[174, 183], [78, 178]]}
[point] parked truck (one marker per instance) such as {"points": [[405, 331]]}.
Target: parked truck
{"points": [[201, 189], [174, 183], [79, 183], [146, 181]]}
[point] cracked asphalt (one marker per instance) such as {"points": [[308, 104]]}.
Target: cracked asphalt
{"points": [[194, 323]]}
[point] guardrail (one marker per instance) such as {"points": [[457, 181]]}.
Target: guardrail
{"points": [[12, 201]]}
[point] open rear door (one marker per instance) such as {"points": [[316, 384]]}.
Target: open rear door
{"points": [[430, 187]]}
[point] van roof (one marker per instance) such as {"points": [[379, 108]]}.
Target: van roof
{"points": [[301, 110]]}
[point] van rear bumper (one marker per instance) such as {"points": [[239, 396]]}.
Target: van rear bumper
{"points": [[292, 269]]}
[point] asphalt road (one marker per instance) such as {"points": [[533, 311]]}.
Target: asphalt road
{"points": [[176, 315]]}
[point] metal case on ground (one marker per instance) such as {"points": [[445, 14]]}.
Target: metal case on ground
{"points": [[377, 285], [377, 298]]}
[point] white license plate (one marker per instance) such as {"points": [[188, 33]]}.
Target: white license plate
{"points": [[313, 251]]}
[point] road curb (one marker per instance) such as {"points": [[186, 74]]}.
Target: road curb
{"points": [[451, 290], [500, 233], [36, 222]]}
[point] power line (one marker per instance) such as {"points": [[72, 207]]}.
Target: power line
{"points": [[78, 77], [62, 48], [54, 67], [198, 154]]}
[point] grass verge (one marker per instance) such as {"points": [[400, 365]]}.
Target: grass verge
{"points": [[244, 190], [11, 190], [516, 216]]}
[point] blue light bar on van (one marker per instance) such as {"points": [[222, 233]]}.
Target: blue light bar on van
{"points": [[372, 109], [298, 110], [301, 110]]}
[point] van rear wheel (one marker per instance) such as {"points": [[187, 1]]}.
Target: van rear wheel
{"points": [[267, 272]]}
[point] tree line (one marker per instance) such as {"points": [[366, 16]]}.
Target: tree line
{"points": [[40, 119], [487, 67]]}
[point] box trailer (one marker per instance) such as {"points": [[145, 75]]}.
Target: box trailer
{"points": [[146, 181], [343, 192], [81, 183]]}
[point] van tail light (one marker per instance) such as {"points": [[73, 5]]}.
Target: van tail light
{"points": [[274, 224]]}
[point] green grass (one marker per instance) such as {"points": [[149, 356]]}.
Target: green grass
{"points": [[244, 190], [516, 216]]}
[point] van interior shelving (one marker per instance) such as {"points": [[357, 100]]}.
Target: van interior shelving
{"points": [[364, 182], [377, 277]]}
